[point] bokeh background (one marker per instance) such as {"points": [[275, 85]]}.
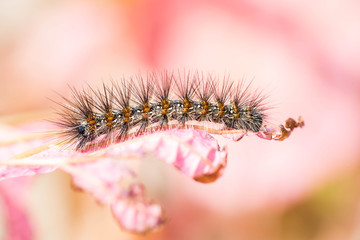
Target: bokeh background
{"points": [[305, 54]]}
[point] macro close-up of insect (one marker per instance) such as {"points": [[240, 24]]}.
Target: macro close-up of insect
{"points": [[158, 102], [167, 114], [179, 119]]}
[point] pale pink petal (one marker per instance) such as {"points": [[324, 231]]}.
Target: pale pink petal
{"points": [[107, 180], [104, 179], [12, 196], [195, 153], [267, 132], [14, 142], [281, 132], [234, 136], [135, 213], [11, 172], [105, 174]]}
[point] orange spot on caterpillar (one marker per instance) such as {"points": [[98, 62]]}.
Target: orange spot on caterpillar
{"points": [[221, 107], [164, 112], [236, 110], [185, 110], [108, 114], [127, 110], [90, 117], [144, 116], [187, 103], [146, 107]]}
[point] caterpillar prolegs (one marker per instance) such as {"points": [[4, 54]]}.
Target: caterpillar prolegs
{"points": [[137, 104]]}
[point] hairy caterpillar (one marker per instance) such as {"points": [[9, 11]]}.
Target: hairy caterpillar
{"points": [[141, 104]]}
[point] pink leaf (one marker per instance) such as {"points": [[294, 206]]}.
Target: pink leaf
{"points": [[105, 180], [14, 142], [234, 136], [105, 174], [12, 195], [11, 172], [135, 213], [195, 153]]}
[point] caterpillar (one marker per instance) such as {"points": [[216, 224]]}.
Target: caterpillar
{"points": [[137, 104]]}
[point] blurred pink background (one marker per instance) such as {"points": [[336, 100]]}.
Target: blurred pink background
{"points": [[304, 54]]}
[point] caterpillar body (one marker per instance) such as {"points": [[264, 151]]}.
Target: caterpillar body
{"points": [[139, 102]]}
